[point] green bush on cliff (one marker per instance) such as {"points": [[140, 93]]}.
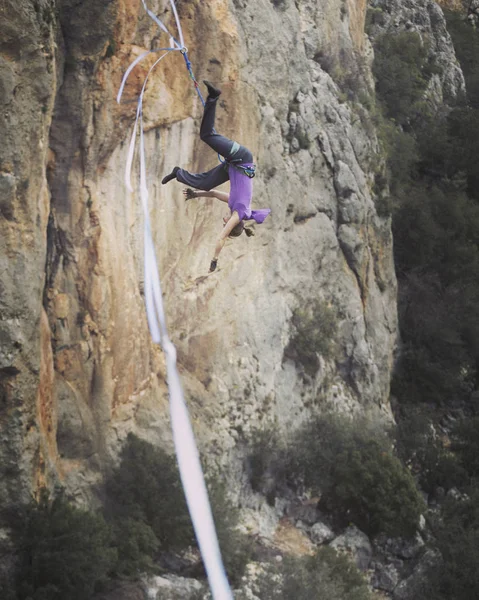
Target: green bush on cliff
{"points": [[146, 503], [402, 71], [465, 38], [434, 181], [351, 466], [455, 574], [359, 478], [419, 446], [136, 545], [146, 487], [437, 256], [64, 552], [314, 328], [373, 489], [266, 462], [235, 546], [465, 444], [323, 575]]}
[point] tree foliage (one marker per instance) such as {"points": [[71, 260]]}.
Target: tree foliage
{"points": [[402, 71], [323, 575], [435, 185], [65, 551], [147, 507], [435, 226], [313, 329], [351, 466], [146, 488], [457, 533], [465, 445], [466, 45], [424, 449]]}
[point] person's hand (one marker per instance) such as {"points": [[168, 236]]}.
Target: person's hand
{"points": [[213, 264], [189, 194]]}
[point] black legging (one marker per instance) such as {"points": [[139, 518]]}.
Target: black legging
{"points": [[220, 144]]}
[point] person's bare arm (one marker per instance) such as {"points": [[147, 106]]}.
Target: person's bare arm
{"points": [[190, 194], [227, 229]]}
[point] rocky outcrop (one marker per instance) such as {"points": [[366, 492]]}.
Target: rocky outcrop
{"points": [[78, 370], [426, 18], [27, 93], [355, 543]]}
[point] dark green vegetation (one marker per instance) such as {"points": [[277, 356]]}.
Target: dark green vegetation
{"points": [[434, 183], [324, 575], [435, 187], [65, 552], [313, 332], [146, 490], [402, 70], [419, 447], [146, 504], [457, 535], [235, 547], [351, 465]]}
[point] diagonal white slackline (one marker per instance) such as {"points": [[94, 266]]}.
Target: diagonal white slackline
{"points": [[186, 451]]}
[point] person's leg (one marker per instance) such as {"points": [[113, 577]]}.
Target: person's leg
{"points": [[228, 148], [222, 145], [203, 181], [217, 142]]}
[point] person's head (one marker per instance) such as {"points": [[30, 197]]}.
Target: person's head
{"points": [[237, 230]]}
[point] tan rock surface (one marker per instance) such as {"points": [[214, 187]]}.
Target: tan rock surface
{"points": [[77, 368]]}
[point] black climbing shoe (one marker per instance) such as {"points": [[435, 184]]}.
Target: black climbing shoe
{"points": [[213, 92], [171, 176]]}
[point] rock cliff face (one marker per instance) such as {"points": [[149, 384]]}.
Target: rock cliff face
{"points": [[77, 368], [427, 19]]}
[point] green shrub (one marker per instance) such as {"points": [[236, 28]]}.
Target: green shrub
{"points": [[65, 552], [402, 71], [266, 462], [434, 464], [324, 575], [314, 329], [370, 487], [136, 545], [146, 487], [402, 156], [465, 38], [457, 534], [437, 259], [374, 16], [149, 513], [235, 546], [351, 466], [465, 444], [111, 48]]}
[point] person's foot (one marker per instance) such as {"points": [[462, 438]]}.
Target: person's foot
{"points": [[171, 176], [213, 92]]}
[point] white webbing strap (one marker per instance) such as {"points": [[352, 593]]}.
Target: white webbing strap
{"points": [[186, 450]]}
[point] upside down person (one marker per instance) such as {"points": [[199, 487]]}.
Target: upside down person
{"points": [[238, 169]]}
